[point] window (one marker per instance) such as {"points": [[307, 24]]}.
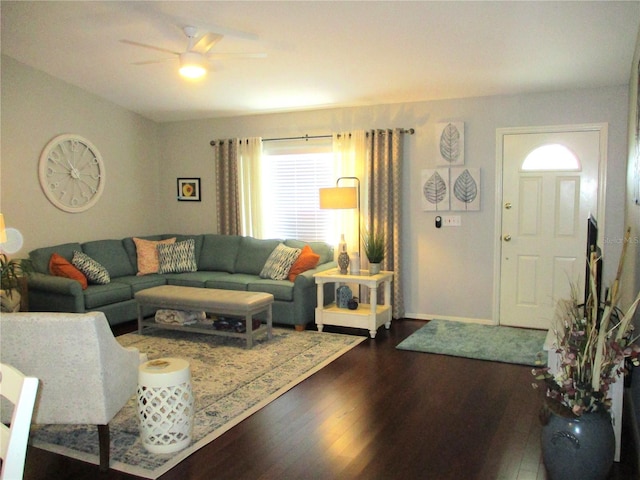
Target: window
{"points": [[551, 157], [291, 177]]}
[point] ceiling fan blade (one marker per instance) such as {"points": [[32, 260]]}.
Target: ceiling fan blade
{"points": [[152, 47], [206, 42], [221, 56], [150, 62]]}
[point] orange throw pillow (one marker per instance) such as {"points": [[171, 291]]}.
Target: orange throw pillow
{"points": [[148, 254], [306, 261], [61, 267]]}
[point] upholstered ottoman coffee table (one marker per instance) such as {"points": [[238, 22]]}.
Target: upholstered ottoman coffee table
{"points": [[222, 302]]}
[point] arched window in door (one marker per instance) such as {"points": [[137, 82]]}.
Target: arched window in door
{"points": [[551, 157]]}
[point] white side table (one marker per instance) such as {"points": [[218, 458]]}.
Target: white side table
{"points": [[369, 316], [165, 404]]}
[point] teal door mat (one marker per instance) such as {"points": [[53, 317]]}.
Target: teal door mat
{"points": [[483, 342]]}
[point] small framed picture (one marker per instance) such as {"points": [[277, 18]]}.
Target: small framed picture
{"points": [[189, 189]]}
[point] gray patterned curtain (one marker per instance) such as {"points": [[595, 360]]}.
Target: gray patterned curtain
{"points": [[227, 186], [384, 177]]}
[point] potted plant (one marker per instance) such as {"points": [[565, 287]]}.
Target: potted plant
{"points": [[11, 272], [374, 248], [593, 341]]}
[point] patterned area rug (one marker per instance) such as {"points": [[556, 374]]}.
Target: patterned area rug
{"points": [[229, 383], [484, 342]]}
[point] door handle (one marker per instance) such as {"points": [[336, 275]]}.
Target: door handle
{"points": [[507, 238]]}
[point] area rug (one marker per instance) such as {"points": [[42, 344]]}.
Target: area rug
{"points": [[229, 383], [484, 342]]}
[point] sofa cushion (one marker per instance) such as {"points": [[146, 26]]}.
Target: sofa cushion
{"points": [[307, 260], [96, 296], [112, 255], [177, 257], [279, 262], [232, 281], [61, 267], [192, 279], [253, 254], [280, 289], [147, 254], [40, 257], [140, 282], [94, 271], [219, 253], [323, 249]]}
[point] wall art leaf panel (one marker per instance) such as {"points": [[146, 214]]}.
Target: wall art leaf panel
{"points": [[435, 190], [450, 141], [465, 189]]}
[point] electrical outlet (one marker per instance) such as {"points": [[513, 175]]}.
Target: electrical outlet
{"points": [[451, 221]]}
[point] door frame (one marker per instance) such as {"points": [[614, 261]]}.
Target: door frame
{"points": [[602, 128]]}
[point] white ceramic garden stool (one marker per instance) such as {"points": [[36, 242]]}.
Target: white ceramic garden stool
{"points": [[165, 404]]}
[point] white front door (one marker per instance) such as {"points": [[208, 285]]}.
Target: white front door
{"points": [[545, 208]]}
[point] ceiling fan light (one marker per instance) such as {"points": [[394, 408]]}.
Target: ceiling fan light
{"points": [[192, 65]]}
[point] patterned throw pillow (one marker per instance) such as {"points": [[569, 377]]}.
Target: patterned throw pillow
{"points": [[177, 257], [279, 262], [94, 272], [147, 253]]}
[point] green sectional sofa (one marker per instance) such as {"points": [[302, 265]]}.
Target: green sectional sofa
{"points": [[223, 261]]}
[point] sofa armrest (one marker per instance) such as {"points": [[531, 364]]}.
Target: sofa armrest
{"points": [[48, 293], [306, 280], [53, 284]]}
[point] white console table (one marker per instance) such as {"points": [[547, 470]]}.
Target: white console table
{"points": [[369, 316]]}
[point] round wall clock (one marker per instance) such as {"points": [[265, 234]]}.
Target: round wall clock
{"points": [[71, 173]]}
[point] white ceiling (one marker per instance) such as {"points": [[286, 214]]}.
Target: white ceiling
{"points": [[322, 53]]}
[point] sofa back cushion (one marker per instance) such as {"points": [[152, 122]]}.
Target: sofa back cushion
{"points": [[40, 257], [219, 253], [112, 255], [321, 248], [253, 254]]}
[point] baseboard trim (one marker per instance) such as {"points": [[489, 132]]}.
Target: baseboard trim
{"points": [[433, 316]]}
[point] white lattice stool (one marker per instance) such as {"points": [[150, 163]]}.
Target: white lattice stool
{"points": [[165, 404]]}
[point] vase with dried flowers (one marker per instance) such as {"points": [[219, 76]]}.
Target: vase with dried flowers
{"points": [[593, 340]]}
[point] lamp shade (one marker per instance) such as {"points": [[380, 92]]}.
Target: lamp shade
{"points": [[3, 231], [338, 198]]}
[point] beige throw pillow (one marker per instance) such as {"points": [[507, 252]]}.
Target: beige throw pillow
{"points": [[148, 254]]}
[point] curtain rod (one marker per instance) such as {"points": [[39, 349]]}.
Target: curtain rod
{"points": [[409, 131]]}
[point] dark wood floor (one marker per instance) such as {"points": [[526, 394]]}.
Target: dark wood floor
{"points": [[374, 413]]}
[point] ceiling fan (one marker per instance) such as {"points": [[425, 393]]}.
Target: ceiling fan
{"points": [[194, 62]]}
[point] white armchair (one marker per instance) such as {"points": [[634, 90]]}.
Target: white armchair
{"points": [[86, 375]]}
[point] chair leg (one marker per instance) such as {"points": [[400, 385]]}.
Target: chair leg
{"points": [[105, 446]]}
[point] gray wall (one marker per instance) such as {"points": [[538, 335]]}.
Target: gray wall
{"points": [[449, 272], [37, 107]]}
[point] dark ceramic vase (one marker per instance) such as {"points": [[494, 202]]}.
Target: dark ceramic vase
{"points": [[582, 447], [343, 262]]}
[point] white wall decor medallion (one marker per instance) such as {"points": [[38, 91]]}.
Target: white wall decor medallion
{"points": [[71, 173]]}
